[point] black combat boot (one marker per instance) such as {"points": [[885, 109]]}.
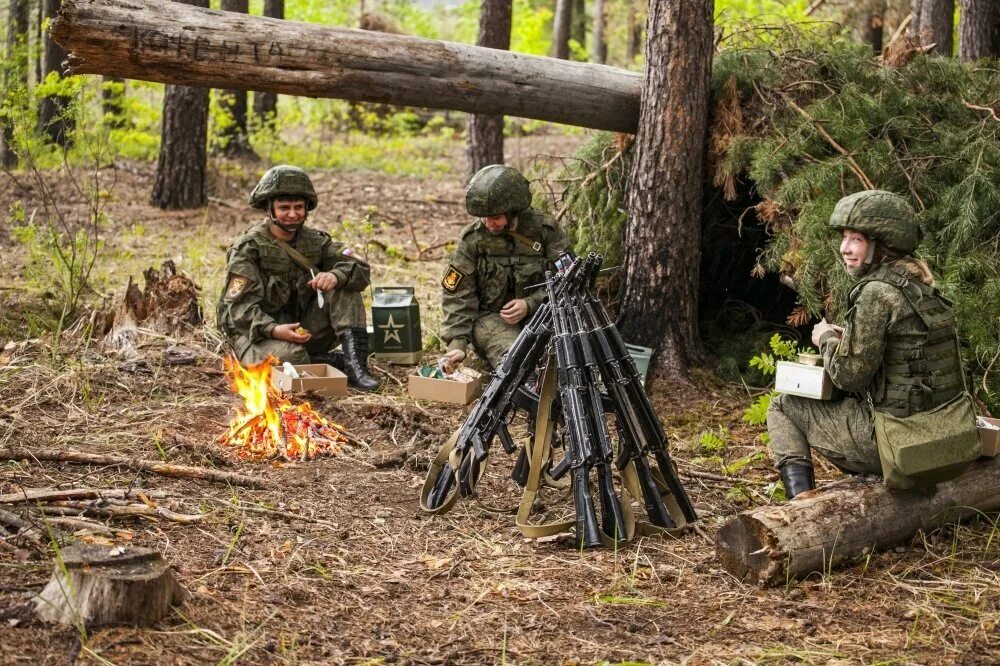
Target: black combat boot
{"points": [[334, 358], [797, 479], [354, 342]]}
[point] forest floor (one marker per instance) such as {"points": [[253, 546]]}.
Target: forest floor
{"points": [[333, 560]]}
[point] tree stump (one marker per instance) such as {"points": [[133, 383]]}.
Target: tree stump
{"points": [[823, 528], [96, 586], [168, 305]]}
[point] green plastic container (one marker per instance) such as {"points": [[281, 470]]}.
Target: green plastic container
{"points": [[641, 356], [396, 325]]}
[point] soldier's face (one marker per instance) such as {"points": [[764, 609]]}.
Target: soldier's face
{"points": [[288, 214], [495, 223], [854, 249]]}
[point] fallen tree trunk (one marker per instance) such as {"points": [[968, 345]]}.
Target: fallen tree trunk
{"points": [[821, 529], [183, 471], [179, 44]]}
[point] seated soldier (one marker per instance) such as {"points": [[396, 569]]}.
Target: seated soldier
{"points": [[291, 291], [496, 277], [897, 353]]}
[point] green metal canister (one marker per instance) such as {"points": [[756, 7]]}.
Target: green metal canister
{"points": [[396, 325]]}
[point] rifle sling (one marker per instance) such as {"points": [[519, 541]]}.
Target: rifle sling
{"points": [[295, 255]]}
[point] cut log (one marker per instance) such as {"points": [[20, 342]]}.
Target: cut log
{"points": [[95, 586], [174, 43], [821, 529]]}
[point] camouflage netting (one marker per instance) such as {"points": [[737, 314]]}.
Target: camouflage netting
{"points": [[801, 121]]}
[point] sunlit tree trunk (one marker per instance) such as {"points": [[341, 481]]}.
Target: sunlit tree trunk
{"points": [[600, 44], [560, 29], [234, 102], [52, 118], [633, 38], [485, 132], [979, 29], [15, 73], [180, 169], [578, 29], [265, 104], [666, 181]]}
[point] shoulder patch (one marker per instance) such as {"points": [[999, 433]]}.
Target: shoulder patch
{"points": [[237, 285], [452, 279]]}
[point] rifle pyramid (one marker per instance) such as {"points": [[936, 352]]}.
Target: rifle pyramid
{"points": [[589, 379]]}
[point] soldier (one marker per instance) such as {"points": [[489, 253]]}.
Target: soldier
{"points": [[291, 291], [496, 277], [897, 352]]}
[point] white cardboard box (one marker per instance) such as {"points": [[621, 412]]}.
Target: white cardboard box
{"points": [[808, 381]]}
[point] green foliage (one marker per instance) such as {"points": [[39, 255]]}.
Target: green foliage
{"points": [[909, 130], [713, 442], [781, 349]]}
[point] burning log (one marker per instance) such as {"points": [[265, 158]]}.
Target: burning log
{"points": [[269, 426], [183, 471], [96, 586]]}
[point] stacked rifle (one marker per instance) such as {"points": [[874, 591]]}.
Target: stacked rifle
{"points": [[596, 383]]}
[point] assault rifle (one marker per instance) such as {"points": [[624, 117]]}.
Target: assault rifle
{"points": [[505, 392]]}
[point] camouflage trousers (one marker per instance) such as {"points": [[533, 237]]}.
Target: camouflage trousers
{"points": [[492, 337], [840, 430], [341, 311]]}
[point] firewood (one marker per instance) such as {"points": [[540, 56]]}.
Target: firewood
{"points": [[55, 494], [821, 529], [201, 473], [95, 586]]}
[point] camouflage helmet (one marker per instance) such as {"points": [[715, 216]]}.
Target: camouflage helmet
{"points": [[497, 189], [885, 217], [283, 181]]}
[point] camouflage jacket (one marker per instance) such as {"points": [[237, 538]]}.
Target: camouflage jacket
{"points": [[265, 287], [488, 270], [899, 345]]}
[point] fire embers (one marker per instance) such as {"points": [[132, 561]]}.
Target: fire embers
{"points": [[269, 426]]}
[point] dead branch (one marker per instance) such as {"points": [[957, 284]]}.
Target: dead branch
{"points": [[55, 494], [988, 109], [181, 471]]}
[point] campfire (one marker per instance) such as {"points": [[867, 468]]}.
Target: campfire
{"points": [[269, 426]]}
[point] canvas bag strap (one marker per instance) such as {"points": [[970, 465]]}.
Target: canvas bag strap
{"points": [[296, 256]]}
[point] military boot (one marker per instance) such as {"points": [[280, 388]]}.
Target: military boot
{"points": [[354, 342], [798, 479]]}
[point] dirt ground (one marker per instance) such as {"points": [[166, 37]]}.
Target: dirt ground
{"points": [[334, 562]]}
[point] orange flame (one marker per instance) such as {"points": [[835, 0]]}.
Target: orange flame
{"points": [[269, 426]]}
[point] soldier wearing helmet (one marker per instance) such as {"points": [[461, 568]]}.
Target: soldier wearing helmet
{"points": [[896, 353], [291, 291], [495, 277]]}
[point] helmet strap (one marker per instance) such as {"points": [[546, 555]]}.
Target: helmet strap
{"points": [[870, 254]]}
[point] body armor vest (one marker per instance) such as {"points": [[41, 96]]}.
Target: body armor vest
{"points": [[920, 370]]}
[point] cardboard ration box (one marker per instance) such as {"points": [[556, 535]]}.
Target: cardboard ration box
{"points": [[808, 381], [318, 377], [459, 388], [396, 325], [989, 435]]}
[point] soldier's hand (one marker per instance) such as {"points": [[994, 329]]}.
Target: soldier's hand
{"points": [[324, 282], [821, 328], [452, 358], [287, 333], [514, 311]]}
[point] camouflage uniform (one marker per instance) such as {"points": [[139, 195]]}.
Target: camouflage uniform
{"points": [[489, 269], [265, 287], [898, 353]]}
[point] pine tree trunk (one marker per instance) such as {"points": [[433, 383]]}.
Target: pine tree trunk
{"points": [[15, 73], [663, 233], [52, 120], [633, 38], [485, 132], [561, 25], [39, 37], [600, 44], [113, 101], [236, 142], [265, 104], [578, 29], [937, 25], [979, 29], [871, 23], [180, 169]]}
